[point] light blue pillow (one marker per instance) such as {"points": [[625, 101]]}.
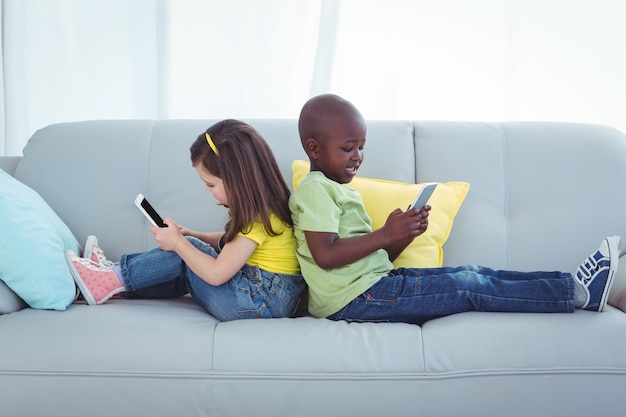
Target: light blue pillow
{"points": [[33, 241]]}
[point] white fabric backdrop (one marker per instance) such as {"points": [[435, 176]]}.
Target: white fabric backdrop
{"points": [[491, 60]]}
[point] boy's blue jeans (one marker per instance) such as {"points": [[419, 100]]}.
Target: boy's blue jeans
{"points": [[251, 293], [414, 295]]}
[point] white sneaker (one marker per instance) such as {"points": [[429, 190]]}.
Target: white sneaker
{"points": [[92, 251]]}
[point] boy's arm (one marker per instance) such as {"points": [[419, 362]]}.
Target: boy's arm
{"points": [[395, 249], [329, 251]]}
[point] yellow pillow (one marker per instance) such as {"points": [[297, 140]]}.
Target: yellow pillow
{"points": [[381, 197]]}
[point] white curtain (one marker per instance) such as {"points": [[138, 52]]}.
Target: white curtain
{"points": [[490, 60]]}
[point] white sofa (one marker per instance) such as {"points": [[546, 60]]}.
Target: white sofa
{"points": [[542, 196]]}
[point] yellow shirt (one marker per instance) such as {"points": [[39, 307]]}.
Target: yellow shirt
{"points": [[273, 253]]}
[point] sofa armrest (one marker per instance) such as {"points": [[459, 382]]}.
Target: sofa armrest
{"points": [[9, 301], [617, 297], [9, 163]]}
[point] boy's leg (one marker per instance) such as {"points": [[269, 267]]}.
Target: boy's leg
{"points": [[594, 277], [417, 295]]}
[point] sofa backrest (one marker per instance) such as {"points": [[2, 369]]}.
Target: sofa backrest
{"points": [[542, 194]]}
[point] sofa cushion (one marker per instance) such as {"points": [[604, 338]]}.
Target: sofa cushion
{"points": [[381, 197], [33, 241]]}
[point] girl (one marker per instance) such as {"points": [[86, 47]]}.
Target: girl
{"points": [[248, 271]]}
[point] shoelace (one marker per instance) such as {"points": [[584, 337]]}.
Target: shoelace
{"points": [[108, 264], [590, 267]]}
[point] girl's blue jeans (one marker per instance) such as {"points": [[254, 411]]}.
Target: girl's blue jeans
{"points": [[414, 295], [251, 293]]}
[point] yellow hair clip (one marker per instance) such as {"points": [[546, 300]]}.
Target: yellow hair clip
{"points": [[211, 144]]}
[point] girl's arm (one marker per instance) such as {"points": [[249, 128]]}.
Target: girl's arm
{"points": [[214, 271], [329, 251], [208, 237]]}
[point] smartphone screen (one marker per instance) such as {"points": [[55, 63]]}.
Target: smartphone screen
{"points": [[149, 211]]}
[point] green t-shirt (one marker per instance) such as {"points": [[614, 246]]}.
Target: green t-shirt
{"points": [[322, 205]]}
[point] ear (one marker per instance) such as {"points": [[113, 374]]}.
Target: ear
{"points": [[312, 148]]}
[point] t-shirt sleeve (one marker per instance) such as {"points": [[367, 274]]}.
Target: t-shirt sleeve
{"points": [[314, 208], [257, 233]]}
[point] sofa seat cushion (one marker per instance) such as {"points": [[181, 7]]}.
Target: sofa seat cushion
{"points": [[321, 364], [156, 351]]}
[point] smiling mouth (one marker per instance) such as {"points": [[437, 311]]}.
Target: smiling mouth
{"points": [[352, 170]]}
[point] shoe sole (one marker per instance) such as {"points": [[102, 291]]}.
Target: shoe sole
{"points": [[78, 280], [614, 249]]}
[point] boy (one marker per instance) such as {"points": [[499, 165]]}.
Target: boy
{"points": [[348, 268]]}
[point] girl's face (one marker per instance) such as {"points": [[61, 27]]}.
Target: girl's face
{"points": [[213, 184]]}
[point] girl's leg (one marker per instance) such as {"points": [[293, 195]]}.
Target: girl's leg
{"points": [[417, 295], [251, 293], [157, 273]]}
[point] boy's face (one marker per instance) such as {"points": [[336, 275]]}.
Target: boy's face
{"points": [[340, 152]]}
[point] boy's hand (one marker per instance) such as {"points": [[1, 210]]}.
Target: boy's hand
{"points": [[424, 212], [406, 225]]}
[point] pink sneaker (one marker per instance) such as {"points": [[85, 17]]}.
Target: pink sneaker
{"points": [[92, 251], [96, 283]]}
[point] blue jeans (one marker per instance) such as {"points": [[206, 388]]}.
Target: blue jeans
{"points": [[251, 293], [413, 295]]}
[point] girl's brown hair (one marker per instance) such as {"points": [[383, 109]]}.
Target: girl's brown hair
{"points": [[253, 183]]}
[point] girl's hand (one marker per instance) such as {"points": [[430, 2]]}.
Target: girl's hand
{"points": [[168, 238], [185, 231]]}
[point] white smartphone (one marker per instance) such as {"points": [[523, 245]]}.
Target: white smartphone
{"points": [[149, 211], [423, 196]]}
